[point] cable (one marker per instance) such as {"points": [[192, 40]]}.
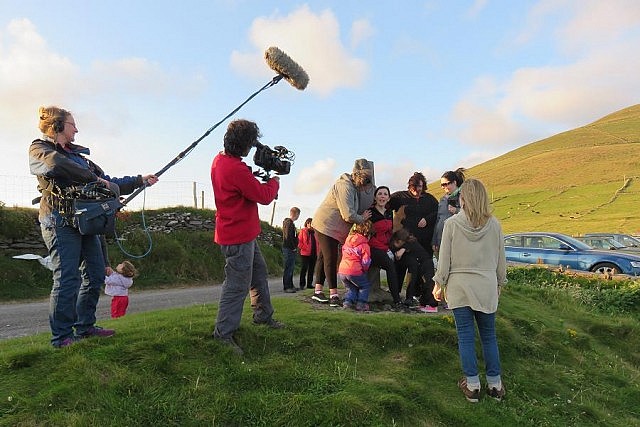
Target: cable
{"points": [[145, 229]]}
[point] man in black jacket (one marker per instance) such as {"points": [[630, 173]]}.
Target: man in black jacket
{"points": [[289, 248]]}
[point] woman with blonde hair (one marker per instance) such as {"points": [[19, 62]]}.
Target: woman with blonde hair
{"points": [[60, 164], [471, 271]]}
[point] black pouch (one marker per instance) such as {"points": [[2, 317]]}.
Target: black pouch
{"points": [[93, 217]]}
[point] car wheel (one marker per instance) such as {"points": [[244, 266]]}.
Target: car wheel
{"points": [[606, 267]]}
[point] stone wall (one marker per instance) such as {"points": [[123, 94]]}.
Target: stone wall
{"points": [[163, 222]]}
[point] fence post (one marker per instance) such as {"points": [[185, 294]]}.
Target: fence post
{"points": [[273, 212], [195, 197]]}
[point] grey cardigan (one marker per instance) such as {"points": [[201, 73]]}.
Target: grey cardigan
{"points": [[343, 206]]}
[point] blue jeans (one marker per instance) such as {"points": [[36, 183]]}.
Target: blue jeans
{"points": [[245, 271], [466, 329], [72, 302], [289, 264], [357, 288]]}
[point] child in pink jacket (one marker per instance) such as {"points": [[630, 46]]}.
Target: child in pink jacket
{"points": [[355, 262]]}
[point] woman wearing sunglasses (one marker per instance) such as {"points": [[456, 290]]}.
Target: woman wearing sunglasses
{"points": [[449, 203]]}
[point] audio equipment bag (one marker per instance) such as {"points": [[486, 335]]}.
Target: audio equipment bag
{"points": [[96, 216], [94, 209]]}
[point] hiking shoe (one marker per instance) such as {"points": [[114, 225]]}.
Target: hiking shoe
{"points": [[97, 331], [334, 301], [410, 302], [271, 323], [363, 306], [427, 309], [471, 395], [348, 305], [230, 342], [66, 342], [495, 393], [319, 296]]}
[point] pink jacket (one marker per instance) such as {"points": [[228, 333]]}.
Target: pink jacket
{"points": [[356, 255]]}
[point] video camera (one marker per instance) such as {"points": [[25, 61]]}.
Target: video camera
{"points": [[278, 159]]}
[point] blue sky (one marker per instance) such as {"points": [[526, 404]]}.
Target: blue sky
{"points": [[413, 86]]}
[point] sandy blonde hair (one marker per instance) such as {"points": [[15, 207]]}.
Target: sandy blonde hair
{"points": [[50, 118], [475, 202]]}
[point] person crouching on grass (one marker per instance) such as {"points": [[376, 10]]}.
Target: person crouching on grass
{"points": [[117, 285], [355, 262]]}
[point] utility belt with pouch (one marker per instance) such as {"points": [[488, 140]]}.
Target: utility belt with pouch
{"points": [[91, 208]]}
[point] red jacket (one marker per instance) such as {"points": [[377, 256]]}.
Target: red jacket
{"points": [[237, 194], [383, 229], [356, 255], [307, 241]]}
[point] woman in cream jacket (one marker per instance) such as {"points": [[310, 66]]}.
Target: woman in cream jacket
{"points": [[471, 270]]}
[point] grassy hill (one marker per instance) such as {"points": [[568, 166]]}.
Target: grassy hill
{"points": [[569, 353], [582, 180]]}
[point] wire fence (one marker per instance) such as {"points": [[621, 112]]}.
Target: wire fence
{"points": [[20, 191]]}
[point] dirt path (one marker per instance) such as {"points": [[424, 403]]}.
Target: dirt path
{"points": [[23, 319]]}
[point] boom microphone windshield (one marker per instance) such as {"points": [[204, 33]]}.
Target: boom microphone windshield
{"points": [[280, 62], [277, 61]]}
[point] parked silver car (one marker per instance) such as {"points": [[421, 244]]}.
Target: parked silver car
{"points": [[624, 239], [607, 244]]}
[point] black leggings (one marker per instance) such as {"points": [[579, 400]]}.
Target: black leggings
{"points": [[421, 283], [380, 259], [327, 262]]}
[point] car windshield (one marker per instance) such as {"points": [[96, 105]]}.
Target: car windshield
{"points": [[629, 241], [615, 244]]}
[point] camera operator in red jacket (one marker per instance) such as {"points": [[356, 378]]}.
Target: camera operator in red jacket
{"points": [[237, 193]]}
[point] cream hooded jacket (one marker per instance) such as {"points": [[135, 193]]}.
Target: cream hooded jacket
{"points": [[471, 263]]}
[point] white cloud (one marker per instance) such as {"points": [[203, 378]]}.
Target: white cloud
{"points": [[30, 73], [396, 175], [106, 97], [585, 23], [361, 30], [477, 157], [476, 8], [595, 79], [487, 126], [316, 179], [313, 41]]}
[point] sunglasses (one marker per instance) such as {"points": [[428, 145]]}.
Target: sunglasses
{"points": [[444, 184]]}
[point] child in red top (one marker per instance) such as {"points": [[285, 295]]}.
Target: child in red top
{"points": [[308, 253], [355, 262]]}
